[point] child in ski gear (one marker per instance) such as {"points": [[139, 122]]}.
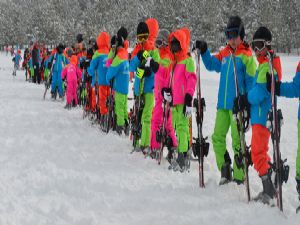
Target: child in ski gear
{"points": [[222, 62], [290, 90], [17, 58], [144, 81], [260, 101], [119, 73], [162, 85], [36, 61], [97, 70], [183, 85], [73, 75], [58, 59]]}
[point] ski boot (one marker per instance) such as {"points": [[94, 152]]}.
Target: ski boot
{"points": [[180, 162], [226, 171], [226, 174], [119, 129], [268, 192], [68, 106], [126, 128]]}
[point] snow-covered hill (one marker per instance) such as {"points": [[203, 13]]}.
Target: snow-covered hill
{"points": [[57, 169]]}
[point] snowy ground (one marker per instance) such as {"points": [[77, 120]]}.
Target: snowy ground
{"points": [[56, 169]]}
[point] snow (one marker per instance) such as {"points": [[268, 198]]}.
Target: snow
{"points": [[56, 168]]}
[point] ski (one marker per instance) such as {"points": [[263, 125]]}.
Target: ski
{"points": [[275, 120], [200, 146], [242, 124], [48, 82], [162, 135]]}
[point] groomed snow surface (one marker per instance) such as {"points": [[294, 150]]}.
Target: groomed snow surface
{"points": [[58, 169]]}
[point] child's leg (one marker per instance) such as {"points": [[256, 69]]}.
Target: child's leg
{"points": [[146, 119], [156, 122], [104, 92], [182, 129], [219, 136], [238, 174], [259, 149], [170, 130], [120, 105]]}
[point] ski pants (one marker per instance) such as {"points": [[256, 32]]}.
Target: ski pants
{"points": [[157, 122], [103, 93], [57, 82], [146, 119], [181, 125], [121, 108], [72, 92], [224, 121], [259, 149], [36, 75]]}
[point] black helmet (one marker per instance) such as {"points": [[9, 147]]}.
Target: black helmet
{"points": [[235, 28]]}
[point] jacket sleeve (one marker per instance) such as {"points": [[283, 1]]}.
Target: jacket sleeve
{"points": [[191, 78], [134, 63], [91, 69], [250, 72], [291, 89], [112, 72], [64, 73], [212, 62], [79, 73]]}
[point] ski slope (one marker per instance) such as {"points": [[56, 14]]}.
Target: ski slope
{"points": [[58, 169]]}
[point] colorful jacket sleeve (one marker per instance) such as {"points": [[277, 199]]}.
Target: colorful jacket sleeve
{"points": [[64, 73], [91, 70], [291, 89], [212, 62], [191, 77], [250, 66], [259, 91], [113, 70]]}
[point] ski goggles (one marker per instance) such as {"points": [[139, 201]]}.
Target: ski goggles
{"points": [[259, 44], [159, 43], [232, 33], [142, 37]]}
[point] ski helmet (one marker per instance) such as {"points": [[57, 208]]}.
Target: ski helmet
{"points": [[123, 33], [235, 28]]}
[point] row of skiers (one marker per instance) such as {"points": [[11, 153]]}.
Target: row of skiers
{"points": [[165, 81]]}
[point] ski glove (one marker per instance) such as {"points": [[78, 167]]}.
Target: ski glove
{"points": [[187, 107], [269, 84], [154, 66], [142, 55], [201, 46], [240, 104], [166, 93]]}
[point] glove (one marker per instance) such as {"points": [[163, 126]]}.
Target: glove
{"points": [[147, 72], [143, 55], [154, 66], [187, 107], [201, 46], [240, 104], [167, 95], [269, 83], [140, 73]]}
